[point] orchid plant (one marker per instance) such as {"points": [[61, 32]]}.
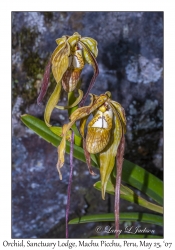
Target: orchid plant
{"points": [[105, 135], [106, 129], [67, 61], [104, 141]]}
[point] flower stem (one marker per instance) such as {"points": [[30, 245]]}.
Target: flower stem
{"points": [[119, 165], [69, 184]]}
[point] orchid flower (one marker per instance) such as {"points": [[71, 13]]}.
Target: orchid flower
{"points": [[105, 132], [67, 62]]}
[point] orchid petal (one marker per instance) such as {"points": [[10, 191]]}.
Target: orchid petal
{"points": [[73, 104], [45, 83], [88, 158], [95, 103], [70, 79], [86, 153], [90, 58], [61, 40], [72, 40], [53, 100], [119, 112], [61, 152], [58, 53], [99, 130], [91, 44], [58, 50], [82, 125], [61, 147], [60, 61], [107, 156]]}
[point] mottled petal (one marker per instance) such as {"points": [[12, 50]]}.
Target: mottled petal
{"points": [[45, 83], [99, 130], [95, 103], [88, 158], [97, 139], [70, 79], [60, 61], [86, 153], [91, 44], [107, 156], [82, 125]]}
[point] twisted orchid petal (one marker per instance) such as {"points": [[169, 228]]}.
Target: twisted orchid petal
{"points": [[45, 83], [90, 58]]}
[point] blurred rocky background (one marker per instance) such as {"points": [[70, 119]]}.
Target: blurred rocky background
{"points": [[131, 67]]}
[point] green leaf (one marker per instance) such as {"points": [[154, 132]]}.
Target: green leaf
{"points": [[131, 174], [144, 181], [135, 216], [40, 128], [129, 236], [129, 195]]}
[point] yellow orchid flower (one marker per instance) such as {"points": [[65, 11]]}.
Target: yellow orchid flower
{"points": [[67, 62], [104, 133]]}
